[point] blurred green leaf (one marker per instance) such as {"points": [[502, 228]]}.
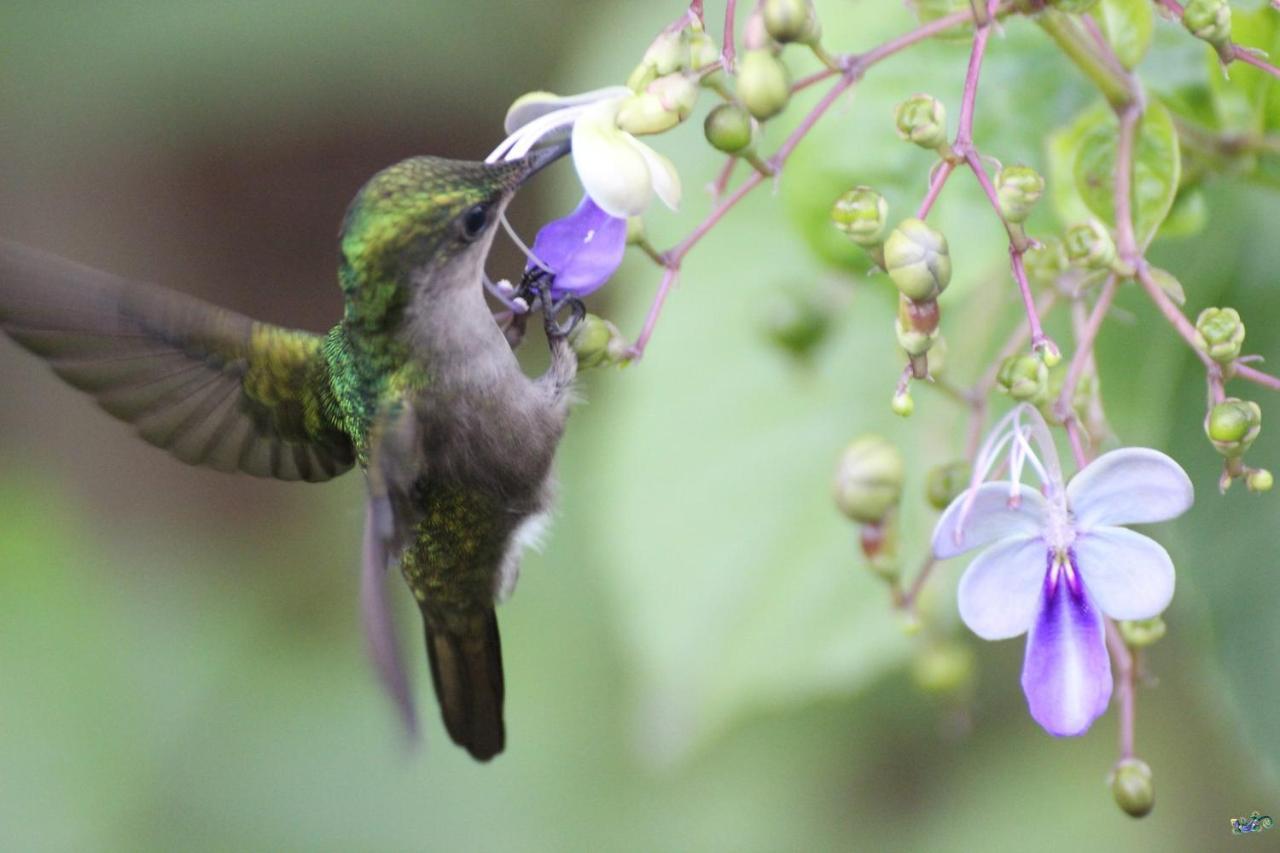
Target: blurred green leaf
{"points": [[1127, 25]]}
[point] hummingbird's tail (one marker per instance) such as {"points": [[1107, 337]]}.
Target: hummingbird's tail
{"points": [[466, 668]]}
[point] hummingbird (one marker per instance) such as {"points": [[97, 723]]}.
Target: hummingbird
{"points": [[416, 385]]}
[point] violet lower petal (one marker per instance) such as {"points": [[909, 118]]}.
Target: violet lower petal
{"points": [[1132, 485], [1128, 575], [1066, 674], [979, 517], [583, 249], [999, 594]]}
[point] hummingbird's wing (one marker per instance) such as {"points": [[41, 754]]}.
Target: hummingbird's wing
{"points": [[210, 386]]}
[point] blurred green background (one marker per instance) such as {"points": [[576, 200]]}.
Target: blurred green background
{"points": [[698, 660]]}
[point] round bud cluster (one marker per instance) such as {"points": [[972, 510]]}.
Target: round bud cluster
{"points": [[1209, 20], [868, 481], [1018, 188], [1220, 334], [861, 213], [1132, 788], [1233, 425], [922, 119], [791, 21], [764, 86], [596, 341], [1089, 245], [1140, 633], [945, 483], [1045, 261], [1024, 377], [918, 260], [730, 128]]}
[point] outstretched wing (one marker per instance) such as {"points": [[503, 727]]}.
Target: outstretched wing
{"points": [[210, 386]]}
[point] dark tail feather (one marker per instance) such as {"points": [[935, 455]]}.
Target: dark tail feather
{"points": [[467, 671]]}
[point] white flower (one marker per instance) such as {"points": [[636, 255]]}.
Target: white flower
{"points": [[620, 173]]}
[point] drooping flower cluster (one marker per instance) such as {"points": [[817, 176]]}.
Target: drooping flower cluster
{"points": [[1056, 561]]}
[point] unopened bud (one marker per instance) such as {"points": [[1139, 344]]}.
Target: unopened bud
{"points": [[923, 120], [1132, 788], [641, 76], [763, 84], [1023, 377], [902, 405], [677, 92], [861, 213], [703, 50], [917, 259], [645, 113], [1046, 261], [868, 480], [1089, 245], [1140, 633], [1208, 20], [668, 53], [1018, 188], [1259, 480], [1233, 425], [1220, 334], [594, 340], [792, 20], [943, 668], [916, 325], [945, 483], [730, 128]]}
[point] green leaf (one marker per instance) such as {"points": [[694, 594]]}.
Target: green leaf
{"points": [[1156, 170], [1127, 26], [1064, 148]]}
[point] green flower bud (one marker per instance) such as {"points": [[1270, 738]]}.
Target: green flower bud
{"points": [[677, 92], [1086, 391], [798, 322], [1141, 633], [1046, 261], [645, 113], [595, 341], [902, 405], [1233, 425], [945, 483], [1208, 20], [1169, 283], [763, 84], [1220, 334], [703, 50], [1024, 377], [730, 128], [868, 482], [1089, 245], [1018, 188], [923, 120], [860, 213], [668, 53], [917, 259], [1259, 480], [943, 668], [641, 76], [913, 341], [792, 20], [1131, 786], [916, 325], [1073, 7]]}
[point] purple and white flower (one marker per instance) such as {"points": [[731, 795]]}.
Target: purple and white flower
{"points": [[1056, 561]]}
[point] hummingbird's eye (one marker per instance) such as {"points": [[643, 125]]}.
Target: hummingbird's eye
{"points": [[474, 221]]}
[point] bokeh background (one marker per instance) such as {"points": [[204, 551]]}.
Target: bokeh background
{"points": [[698, 660]]}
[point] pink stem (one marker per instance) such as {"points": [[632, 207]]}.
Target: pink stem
{"points": [[940, 175], [1124, 676], [727, 52], [1248, 373], [1256, 61], [1084, 347], [1126, 241], [722, 180]]}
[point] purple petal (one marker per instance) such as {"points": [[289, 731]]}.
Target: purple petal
{"points": [[983, 515], [1066, 674], [1133, 485], [583, 249], [379, 630], [1127, 574], [999, 593]]}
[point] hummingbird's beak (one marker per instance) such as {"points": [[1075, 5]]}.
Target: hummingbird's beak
{"points": [[543, 157]]}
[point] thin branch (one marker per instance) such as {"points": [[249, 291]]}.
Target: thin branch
{"points": [[1125, 672]]}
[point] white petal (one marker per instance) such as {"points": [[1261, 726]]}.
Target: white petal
{"points": [[538, 104], [1132, 485], [613, 171], [662, 173], [987, 519], [1128, 575], [999, 593]]}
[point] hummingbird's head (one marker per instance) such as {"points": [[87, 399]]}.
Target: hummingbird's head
{"points": [[428, 221]]}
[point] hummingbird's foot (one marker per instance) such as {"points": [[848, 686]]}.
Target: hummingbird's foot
{"points": [[537, 282], [556, 329]]}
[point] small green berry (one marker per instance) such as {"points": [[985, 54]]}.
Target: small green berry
{"points": [[945, 483], [730, 128], [1233, 425], [1140, 633], [1132, 788], [763, 84], [902, 404], [869, 477], [791, 21], [1259, 480]]}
